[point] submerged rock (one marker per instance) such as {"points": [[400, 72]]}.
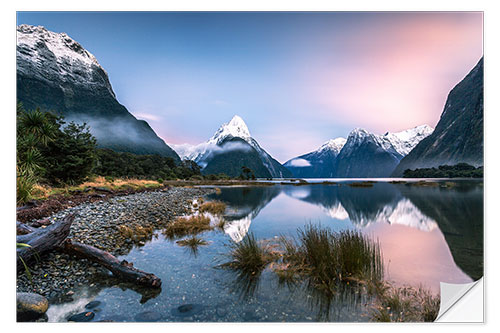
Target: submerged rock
{"points": [[82, 317], [92, 305], [30, 306], [187, 310], [148, 316]]}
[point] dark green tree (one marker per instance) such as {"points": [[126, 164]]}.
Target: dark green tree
{"points": [[70, 157]]}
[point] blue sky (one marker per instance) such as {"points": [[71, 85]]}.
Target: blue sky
{"points": [[297, 79]]}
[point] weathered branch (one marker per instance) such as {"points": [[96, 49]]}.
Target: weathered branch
{"points": [[121, 269], [43, 240], [23, 229]]}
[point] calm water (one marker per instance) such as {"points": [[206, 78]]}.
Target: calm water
{"points": [[427, 235]]}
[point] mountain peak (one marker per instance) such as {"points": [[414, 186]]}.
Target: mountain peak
{"points": [[236, 127], [359, 132], [333, 144]]}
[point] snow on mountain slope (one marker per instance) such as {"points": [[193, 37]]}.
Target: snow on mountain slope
{"points": [[235, 128], [43, 54], [398, 144], [405, 141], [334, 145]]}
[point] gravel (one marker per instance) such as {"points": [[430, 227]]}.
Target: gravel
{"points": [[57, 275]]}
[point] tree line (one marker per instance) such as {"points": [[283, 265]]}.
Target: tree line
{"points": [[53, 152], [460, 170]]}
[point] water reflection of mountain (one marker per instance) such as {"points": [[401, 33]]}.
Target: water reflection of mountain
{"points": [[366, 205], [244, 204], [457, 211], [459, 214]]}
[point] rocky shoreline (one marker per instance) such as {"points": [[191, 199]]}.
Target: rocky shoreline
{"points": [[58, 275]]}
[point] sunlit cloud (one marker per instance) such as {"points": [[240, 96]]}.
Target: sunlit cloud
{"points": [[148, 116], [299, 162]]}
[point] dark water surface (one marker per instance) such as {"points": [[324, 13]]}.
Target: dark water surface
{"points": [[428, 234]]}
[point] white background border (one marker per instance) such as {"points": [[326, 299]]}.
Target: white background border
{"points": [[492, 142]]}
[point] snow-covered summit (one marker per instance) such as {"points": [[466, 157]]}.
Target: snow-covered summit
{"points": [[400, 143], [405, 141], [55, 57], [334, 145], [235, 128]]}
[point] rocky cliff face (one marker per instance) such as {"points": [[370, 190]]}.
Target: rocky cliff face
{"points": [[56, 73], [458, 136]]}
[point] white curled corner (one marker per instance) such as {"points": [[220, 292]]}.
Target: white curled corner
{"points": [[462, 303]]}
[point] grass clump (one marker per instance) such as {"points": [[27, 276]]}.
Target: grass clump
{"points": [[192, 242], [213, 207], [136, 233], [327, 259], [249, 256], [183, 226], [404, 304]]}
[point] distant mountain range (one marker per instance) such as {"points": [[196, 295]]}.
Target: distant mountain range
{"points": [[231, 148], [459, 133], [56, 73], [363, 154]]}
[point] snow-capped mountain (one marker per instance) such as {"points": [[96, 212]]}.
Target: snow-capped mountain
{"points": [[54, 72], [362, 154], [370, 155], [319, 163], [231, 148]]}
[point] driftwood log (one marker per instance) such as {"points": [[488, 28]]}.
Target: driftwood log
{"points": [[23, 229], [43, 240], [120, 269], [54, 237]]}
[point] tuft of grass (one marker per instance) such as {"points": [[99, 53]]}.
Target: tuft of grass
{"points": [[213, 207], [136, 233], [25, 183], [328, 260], [183, 226], [192, 242], [250, 257], [220, 225], [404, 304]]}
